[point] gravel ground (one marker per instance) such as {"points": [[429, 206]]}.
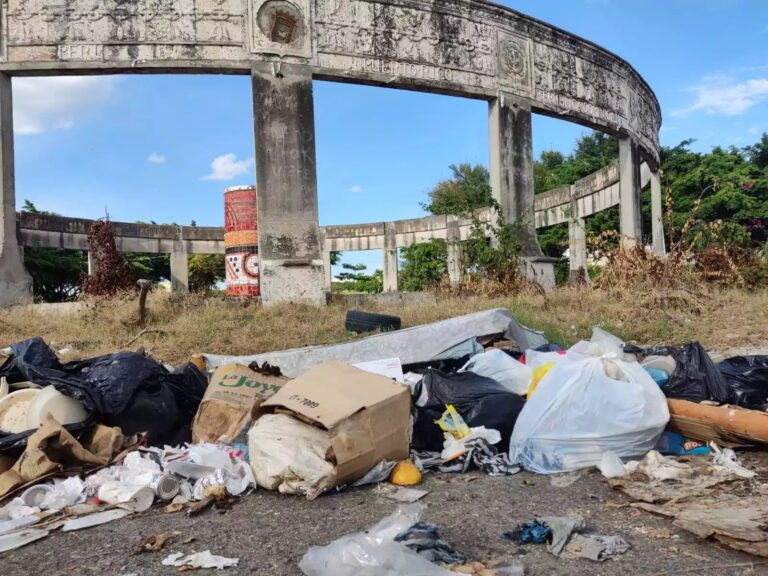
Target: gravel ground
{"points": [[269, 532]]}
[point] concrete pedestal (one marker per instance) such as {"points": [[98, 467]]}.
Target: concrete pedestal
{"points": [[15, 281], [289, 242], [511, 149], [541, 269], [631, 199]]}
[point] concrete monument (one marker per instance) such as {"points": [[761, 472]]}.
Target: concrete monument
{"points": [[470, 48]]}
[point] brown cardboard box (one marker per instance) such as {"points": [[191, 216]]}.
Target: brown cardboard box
{"points": [[366, 415], [729, 426], [231, 400]]}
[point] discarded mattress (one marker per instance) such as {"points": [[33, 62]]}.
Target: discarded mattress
{"points": [[411, 345]]}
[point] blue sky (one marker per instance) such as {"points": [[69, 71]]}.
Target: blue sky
{"points": [[163, 148]]}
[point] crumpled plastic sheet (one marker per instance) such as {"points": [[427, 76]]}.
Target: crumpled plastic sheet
{"points": [[425, 539], [373, 552], [199, 560]]}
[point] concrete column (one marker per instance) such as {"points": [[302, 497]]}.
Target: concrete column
{"points": [[511, 163], [179, 265], [630, 199], [15, 281], [327, 267], [286, 176], [577, 249], [390, 258], [91, 264], [657, 212], [179, 272], [455, 256]]}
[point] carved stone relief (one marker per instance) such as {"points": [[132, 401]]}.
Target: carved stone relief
{"points": [[281, 27]]}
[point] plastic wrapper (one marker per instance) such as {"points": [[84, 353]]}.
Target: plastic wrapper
{"points": [[500, 366], [373, 552], [452, 422], [747, 377], [591, 402], [480, 401]]}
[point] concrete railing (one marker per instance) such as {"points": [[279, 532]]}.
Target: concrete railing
{"points": [[595, 193]]}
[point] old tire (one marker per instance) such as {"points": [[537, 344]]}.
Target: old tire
{"points": [[358, 321]]}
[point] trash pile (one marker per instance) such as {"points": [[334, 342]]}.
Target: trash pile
{"points": [[89, 442]]}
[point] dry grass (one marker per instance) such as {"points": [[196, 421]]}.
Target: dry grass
{"points": [[182, 327]]}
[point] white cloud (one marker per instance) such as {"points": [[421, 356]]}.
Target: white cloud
{"points": [[755, 129], [156, 158], [723, 95], [45, 104], [228, 167], [356, 188]]}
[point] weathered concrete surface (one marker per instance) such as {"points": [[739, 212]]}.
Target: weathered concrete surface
{"points": [[511, 167], [631, 192], [15, 281], [577, 249], [390, 258], [289, 241], [455, 255], [466, 47], [657, 213], [179, 269]]}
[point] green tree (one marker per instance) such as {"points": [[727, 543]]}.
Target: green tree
{"points": [[354, 279], [56, 274], [205, 271], [468, 190], [154, 267], [423, 265]]}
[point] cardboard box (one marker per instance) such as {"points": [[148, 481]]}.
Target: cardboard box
{"points": [[232, 399], [366, 415]]}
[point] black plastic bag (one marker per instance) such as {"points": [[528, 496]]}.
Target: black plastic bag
{"points": [[125, 389], [696, 378], [481, 401], [748, 378]]}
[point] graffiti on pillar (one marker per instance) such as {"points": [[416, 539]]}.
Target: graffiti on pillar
{"points": [[242, 271]]}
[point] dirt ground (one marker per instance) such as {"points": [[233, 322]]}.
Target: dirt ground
{"points": [[270, 532]]}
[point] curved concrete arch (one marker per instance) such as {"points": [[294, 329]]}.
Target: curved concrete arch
{"points": [[568, 204], [471, 48]]}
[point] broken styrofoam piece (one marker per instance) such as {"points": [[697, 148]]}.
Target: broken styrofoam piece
{"points": [[9, 526], [94, 519], [199, 560], [132, 497], [726, 461], [21, 538]]}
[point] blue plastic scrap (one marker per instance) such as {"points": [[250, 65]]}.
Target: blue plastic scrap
{"points": [[533, 532]]}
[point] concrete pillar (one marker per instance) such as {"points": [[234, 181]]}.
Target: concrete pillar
{"points": [[286, 176], [657, 212], [577, 250], [455, 256], [511, 166], [630, 198], [179, 265], [327, 267], [390, 258], [15, 281], [91, 264]]}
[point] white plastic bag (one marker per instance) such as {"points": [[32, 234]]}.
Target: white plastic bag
{"points": [[534, 359], [373, 552], [588, 404], [289, 455], [500, 366]]}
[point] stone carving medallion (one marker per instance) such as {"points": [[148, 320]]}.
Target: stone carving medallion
{"points": [[515, 63], [281, 27]]}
